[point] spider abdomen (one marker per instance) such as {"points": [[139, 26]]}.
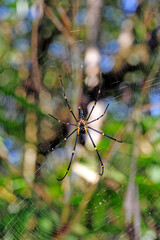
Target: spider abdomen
{"points": [[82, 128]]}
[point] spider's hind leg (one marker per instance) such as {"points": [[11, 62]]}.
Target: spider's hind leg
{"points": [[60, 179], [102, 166], [103, 134]]}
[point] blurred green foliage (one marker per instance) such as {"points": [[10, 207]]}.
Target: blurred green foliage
{"points": [[37, 206]]}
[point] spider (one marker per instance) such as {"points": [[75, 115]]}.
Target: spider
{"points": [[82, 127]]}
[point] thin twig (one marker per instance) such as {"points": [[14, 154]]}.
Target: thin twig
{"points": [[34, 44], [131, 204], [59, 26], [64, 18]]}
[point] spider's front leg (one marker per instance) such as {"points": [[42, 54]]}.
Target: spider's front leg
{"points": [[65, 97], [99, 91], [58, 120]]}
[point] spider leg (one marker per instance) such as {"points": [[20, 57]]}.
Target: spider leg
{"points": [[63, 140], [99, 91], [62, 121], [70, 109], [100, 116], [103, 134], [102, 166], [60, 179]]}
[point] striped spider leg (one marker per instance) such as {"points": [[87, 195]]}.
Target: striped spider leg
{"points": [[99, 91]]}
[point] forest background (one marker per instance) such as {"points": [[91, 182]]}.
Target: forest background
{"points": [[39, 41]]}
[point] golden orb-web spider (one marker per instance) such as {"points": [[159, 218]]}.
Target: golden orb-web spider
{"points": [[82, 127]]}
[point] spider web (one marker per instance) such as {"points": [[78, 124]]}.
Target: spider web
{"points": [[103, 197], [101, 210]]}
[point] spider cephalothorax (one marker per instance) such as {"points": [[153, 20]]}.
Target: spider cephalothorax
{"points": [[82, 127], [81, 124]]}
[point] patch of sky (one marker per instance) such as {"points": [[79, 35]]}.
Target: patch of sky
{"points": [[129, 6], [8, 143], [154, 95], [4, 13], [58, 50], [24, 27], [113, 15], [111, 47], [22, 45], [80, 17], [108, 12], [107, 63], [120, 111], [32, 12], [14, 157], [112, 104]]}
